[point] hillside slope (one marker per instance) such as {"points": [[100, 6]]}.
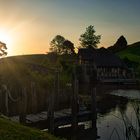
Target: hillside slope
{"points": [[28, 73], [132, 52], [14, 131], [19, 70], [33, 75], [131, 55]]}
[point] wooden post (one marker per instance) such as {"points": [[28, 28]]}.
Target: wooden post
{"points": [[53, 95], [74, 103], [33, 98], [50, 117], [93, 84], [6, 97], [23, 106], [57, 88]]}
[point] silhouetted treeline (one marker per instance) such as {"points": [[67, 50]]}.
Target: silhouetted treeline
{"points": [[120, 45]]}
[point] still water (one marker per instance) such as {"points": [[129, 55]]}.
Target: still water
{"points": [[116, 111]]}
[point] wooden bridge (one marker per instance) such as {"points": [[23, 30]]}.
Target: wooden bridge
{"points": [[61, 118], [50, 118]]}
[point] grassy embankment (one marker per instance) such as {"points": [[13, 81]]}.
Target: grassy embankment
{"points": [[13, 131], [131, 56]]}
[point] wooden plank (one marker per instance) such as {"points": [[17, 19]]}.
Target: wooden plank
{"points": [[14, 118], [63, 116], [67, 111], [60, 115], [32, 118], [44, 112], [42, 116]]}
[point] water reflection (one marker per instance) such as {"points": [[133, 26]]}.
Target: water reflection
{"points": [[120, 114], [131, 94], [111, 109], [107, 103]]}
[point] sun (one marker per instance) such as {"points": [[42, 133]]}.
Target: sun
{"points": [[5, 37]]}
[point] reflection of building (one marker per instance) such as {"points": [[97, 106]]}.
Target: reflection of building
{"points": [[106, 65]]}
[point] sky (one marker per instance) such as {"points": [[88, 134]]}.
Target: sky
{"points": [[28, 26]]}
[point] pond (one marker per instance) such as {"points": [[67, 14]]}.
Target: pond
{"points": [[116, 118]]}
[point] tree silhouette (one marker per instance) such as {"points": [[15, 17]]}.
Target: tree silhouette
{"points": [[3, 49], [60, 45], [56, 44], [89, 39], [120, 44], [68, 47]]}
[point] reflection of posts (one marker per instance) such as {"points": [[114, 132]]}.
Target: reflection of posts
{"points": [[23, 106], [93, 108]]}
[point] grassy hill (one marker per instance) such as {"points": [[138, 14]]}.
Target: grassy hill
{"points": [[13, 131], [36, 74], [132, 56], [25, 72], [19, 70], [25, 68], [33, 67], [132, 52]]}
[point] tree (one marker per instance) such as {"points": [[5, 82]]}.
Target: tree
{"points": [[120, 44], [3, 49], [60, 45], [56, 44], [68, 47], [89, 39]]}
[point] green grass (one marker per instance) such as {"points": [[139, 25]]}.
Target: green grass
{"points": [[13, 131], [35, 74], [132, 52], [132, 56], [21, 70], [33, 58]]}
